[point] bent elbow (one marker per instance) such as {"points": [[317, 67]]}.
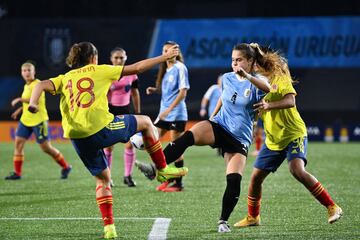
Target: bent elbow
{"points": [[267, 89], [292, 101]]}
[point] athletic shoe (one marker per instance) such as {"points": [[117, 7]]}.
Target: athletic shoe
{"points": [[147, 169], [223, 227], [248, 221], [168, 173], [13, 176], [335, 212], [173, 188], [129, 181], [110, 231], [65, 172], [162, 186]]}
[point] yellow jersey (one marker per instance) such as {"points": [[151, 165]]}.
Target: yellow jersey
{"points": [[83, 101], [282, 125], [27, 118]]}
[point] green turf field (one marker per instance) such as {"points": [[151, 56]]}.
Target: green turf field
{"points": [[288, 209]]}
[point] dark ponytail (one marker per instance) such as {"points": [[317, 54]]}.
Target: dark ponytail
{"points": [[80, 54]]}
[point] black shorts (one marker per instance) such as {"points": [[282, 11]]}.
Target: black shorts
{"points": [[226, 142], [119, 110], [179, 126]]}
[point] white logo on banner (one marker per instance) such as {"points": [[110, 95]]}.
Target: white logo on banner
{"points": [[56, 46]]}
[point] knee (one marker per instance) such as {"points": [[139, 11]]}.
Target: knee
{"points": [[297, 172], [144, 122], [19, 145], [147, 121]]}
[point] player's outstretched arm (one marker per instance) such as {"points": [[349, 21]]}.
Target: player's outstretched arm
{"points": [[288, 101], [147, 64], [46, 85]]}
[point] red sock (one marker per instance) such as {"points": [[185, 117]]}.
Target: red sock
{"points": [[157, 155], [319, 192], [254, 206], [105, 205], [59, 158], [258, 142], [18, 162]]}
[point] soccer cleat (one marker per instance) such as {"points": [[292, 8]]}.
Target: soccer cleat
{"points": [[223, 227], [173, 188], [248, 221], [65, 172], [162, 186], [335, 212], [129, 181], [13, 176], [168, 173], [148, 170], [110, 231]]}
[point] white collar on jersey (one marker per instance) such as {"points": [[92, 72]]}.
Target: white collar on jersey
{"points": [[241, 79]]}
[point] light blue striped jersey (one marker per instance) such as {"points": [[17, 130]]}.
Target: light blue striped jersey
{"points": [[175, 78], [237, 114]]}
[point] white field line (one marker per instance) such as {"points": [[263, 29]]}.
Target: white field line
{"points": [[71, 218], [158, 231]]}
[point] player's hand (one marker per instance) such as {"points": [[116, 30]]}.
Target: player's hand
{"points": [[151, 90], [202, 112], [15, 101], [261, 106], [33, 108], [242, 72], [172, 52], [15, 115]]}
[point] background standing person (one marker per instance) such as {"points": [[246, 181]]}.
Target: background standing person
{"points": [[119, 104], [173, 83], [210, 99], [33, 123]]}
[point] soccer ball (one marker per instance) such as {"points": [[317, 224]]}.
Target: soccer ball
{"points": [[137, 140]]}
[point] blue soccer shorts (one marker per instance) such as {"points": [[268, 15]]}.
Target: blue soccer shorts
{"points": [[90, 149], [40, 131], [269, 160]]}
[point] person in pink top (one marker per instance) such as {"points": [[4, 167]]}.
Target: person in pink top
{"points": [[119, 104]]}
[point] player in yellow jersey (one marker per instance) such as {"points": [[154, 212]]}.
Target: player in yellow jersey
{"points": [[32, 123], [286, 137], [91, 127]]}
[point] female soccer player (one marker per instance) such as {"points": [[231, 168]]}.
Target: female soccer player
{"points": [[119, 104], [86, 119], [210, 98], [231, 128], [173, 83], [33, 123], [286, 137]]}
